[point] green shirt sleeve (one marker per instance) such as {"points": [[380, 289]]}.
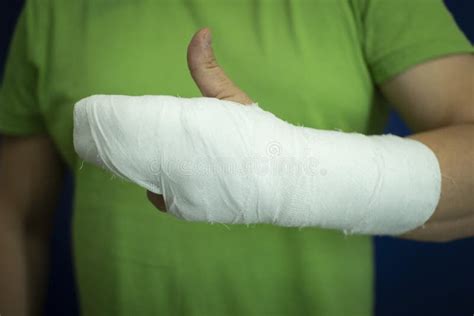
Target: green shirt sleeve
{"points": [[399, 34], [19, 105]]}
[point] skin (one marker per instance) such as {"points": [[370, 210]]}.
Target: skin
{"points": [[30, 177], [436, 98]]}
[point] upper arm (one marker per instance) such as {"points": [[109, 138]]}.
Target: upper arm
{"points": [[30, 180], [434, 94], [30, 167], [431, 96], [420, 60]]}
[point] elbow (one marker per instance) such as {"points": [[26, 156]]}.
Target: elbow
{"points": [[20, 220], [439, 233]]}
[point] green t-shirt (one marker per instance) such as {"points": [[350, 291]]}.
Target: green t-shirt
{"points": [[313, 63]]}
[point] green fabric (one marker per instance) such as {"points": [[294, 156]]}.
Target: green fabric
{"points": [[312, 63]]}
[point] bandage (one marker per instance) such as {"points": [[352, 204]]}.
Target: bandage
{"points": [[222, 162]]}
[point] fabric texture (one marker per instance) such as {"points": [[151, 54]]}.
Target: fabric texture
{"points": [[219, 161], [323, 56]]}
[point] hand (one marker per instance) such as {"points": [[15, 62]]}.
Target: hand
{"points": [[211, 81]]}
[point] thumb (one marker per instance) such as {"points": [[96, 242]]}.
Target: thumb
{"points": [[208, 75]]}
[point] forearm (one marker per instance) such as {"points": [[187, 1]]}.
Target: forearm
{"points": [[454, 215], [13, 274], [261, 169], [23, 276], [37, 254]]}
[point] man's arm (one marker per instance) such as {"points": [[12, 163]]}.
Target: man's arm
{"points": [[436, 99], [30, 180]]}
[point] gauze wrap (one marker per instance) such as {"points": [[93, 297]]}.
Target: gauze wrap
{"points": [[220, 161]]}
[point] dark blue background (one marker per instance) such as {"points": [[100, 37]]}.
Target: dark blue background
{"points": [[412, 278]]}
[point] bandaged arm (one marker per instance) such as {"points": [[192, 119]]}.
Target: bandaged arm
{"points": [[219, 161]]}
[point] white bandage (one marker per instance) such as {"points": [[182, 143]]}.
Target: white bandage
{"points": [[219, 161]]}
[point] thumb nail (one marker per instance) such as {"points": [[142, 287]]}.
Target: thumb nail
{"points": [[207, 38]]}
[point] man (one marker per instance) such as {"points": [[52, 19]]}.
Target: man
{"points": [[329, 58]]}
